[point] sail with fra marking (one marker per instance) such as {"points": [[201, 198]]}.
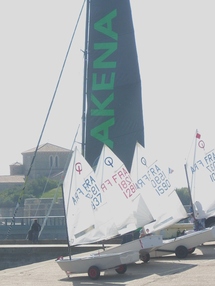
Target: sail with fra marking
{"points": [[155, 187], [200, 168], [113, 118], [128, 208], [88, 220]]}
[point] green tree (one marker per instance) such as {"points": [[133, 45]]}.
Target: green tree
{"points": [[33, 189], [39, 186], [184, 195]]}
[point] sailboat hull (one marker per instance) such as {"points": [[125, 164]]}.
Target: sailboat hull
{"points": [[102, 261], [126, 253], [188, 242], [143, 245]]}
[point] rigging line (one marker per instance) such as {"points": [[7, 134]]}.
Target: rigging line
{"points": [[43, 128], [49, 211], [44, 189], [38, 205], [60, 183], [191, 147]]}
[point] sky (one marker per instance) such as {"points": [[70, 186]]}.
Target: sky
{"points": [[175, 44]]}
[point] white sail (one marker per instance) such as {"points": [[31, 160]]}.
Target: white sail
{"points": [[127, 207], [87, 220], [155, 187], [112, 114], [201, 176]]}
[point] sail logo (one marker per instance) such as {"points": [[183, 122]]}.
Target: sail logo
{"points": [[143, 161], [103, 79], [109, 161], [78, 167], [201, 144]]}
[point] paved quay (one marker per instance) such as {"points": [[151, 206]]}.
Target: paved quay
{"points": [[14, 255], [197, 269]]}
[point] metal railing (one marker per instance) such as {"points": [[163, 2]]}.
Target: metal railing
{"points": [[27, 221]]}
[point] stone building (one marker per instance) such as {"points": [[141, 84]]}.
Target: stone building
{"points": [[50, 161], [9, 182]]}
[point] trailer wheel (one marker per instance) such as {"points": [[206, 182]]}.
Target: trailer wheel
{"points": [[145, 257], [121, 269], [94, 272], [191, 250], [181, 251]]}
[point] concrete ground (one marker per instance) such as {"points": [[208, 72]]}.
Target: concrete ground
{"points": [[197, 269]]}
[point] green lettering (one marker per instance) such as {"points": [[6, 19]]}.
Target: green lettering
{"points": [[101, 111], [100, 61], [103, 85], [101, 132], [104, 25]]}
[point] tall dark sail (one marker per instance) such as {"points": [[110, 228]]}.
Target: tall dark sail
{"points": [[114, 105]]}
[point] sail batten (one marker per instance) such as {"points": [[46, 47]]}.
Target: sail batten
{"points": [[83, 232]]}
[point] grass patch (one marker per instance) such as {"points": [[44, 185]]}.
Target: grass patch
{"points": [[50, 194]]}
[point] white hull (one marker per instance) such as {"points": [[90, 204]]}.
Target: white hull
{"points": [[174, 230], [190, 240], [143, 245], [101, 260], [111, 258]]}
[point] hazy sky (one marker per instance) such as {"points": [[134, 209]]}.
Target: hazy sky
{"points": [[176, 49]]}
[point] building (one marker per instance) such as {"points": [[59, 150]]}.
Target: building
{"points": [[50, 161], [9, 182]]}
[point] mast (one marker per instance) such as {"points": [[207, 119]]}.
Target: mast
{"points": [[188, 183], [85, 79], [194, 158], [65, 216], [188, 186]]}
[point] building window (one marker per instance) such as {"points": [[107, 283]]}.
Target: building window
{"points": [[50, 161], [53, 161], [56, 161]]}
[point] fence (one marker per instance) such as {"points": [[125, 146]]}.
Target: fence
{"points": [[54, 228]]}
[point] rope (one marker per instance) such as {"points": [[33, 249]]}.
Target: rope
{"points": [[35, 214], [47, 116], [60, 182]]}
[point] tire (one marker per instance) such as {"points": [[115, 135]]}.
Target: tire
{"points": [[94, 272], [145, 257], [121, 269], [181, 251], [191, 250]]}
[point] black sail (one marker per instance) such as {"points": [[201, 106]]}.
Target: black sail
{"points": [[114, 102]]}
